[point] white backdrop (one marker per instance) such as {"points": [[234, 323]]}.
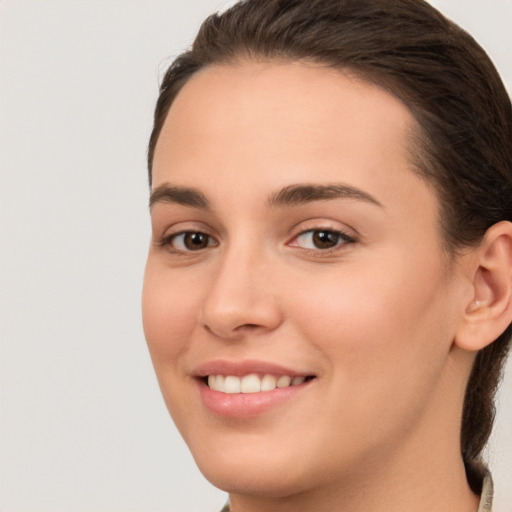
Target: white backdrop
{"points": [[83, 427]]}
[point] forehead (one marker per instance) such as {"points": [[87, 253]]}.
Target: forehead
{"points": [[244, 131], [276, 107]]}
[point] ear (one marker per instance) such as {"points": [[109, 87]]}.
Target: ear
{"points": [[489, 312]]}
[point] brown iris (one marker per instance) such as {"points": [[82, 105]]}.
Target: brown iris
{"points": [[325, 239], [194, 241]]}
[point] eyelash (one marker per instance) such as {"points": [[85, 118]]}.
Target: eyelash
{"points": [[167, 241], [341, 237]]}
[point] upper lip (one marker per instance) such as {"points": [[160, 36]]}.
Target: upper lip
{"points": [[245, 367]]}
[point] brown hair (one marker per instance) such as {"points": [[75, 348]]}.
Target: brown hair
{"points": [[445, 78]]}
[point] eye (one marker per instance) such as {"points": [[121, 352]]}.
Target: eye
{"points": [[187, 241], [321, 239]]}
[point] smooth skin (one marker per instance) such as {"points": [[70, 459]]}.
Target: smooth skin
{"points": [[382, 315]]}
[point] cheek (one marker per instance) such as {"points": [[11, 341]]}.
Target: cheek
{"points": [[381, 328], [383, 300], [169, 314]]}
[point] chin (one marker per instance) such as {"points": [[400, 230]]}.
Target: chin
{"points": [[269, 482], [272, 471]]}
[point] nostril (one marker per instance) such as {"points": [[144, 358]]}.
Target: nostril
{"points": [[248, 327]]}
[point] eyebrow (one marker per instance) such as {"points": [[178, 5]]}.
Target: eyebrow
{"points": [[184, 196], [295, 195], [292, 195]]}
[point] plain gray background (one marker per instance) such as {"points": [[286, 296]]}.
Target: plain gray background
{"points": [[83, 426]]}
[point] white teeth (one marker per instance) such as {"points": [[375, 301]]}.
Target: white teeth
{"points": [[251, 383], [268, 383], [298, 380], [284, 381], [231, 384], [216, 381]]}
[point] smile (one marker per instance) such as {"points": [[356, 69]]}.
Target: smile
{"points": [[252, 383], [247, 388]]}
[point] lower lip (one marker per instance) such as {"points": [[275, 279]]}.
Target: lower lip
{"points": [[247, 405]]}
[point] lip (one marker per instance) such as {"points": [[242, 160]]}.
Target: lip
{"points": [[245, 367], [246, 405]]}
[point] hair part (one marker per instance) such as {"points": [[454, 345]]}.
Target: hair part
{"points": [[439, 72]]}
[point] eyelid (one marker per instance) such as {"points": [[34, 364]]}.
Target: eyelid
{"points": [[182, 228], [318, 226], [344, 236], [300, 229], [167, 243]]}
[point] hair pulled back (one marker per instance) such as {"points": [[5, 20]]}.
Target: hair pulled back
{"points": [[450, 85]]}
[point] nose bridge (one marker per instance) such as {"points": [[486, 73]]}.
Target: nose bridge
{"points": [[240, 296]]}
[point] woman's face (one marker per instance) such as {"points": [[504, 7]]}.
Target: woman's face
{"points": [[293, 245]]}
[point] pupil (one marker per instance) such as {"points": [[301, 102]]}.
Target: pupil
{"points": [[196, 241], [325, 239]]}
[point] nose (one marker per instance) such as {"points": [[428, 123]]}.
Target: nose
{"points": [[241, 299]]}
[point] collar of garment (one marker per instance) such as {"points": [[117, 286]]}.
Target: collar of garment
{"points": [[487, 494]]}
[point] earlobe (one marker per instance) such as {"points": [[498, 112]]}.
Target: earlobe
{"points": [[489, 312]]}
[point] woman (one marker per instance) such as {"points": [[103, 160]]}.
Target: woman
{"points": [[328, 293]]}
